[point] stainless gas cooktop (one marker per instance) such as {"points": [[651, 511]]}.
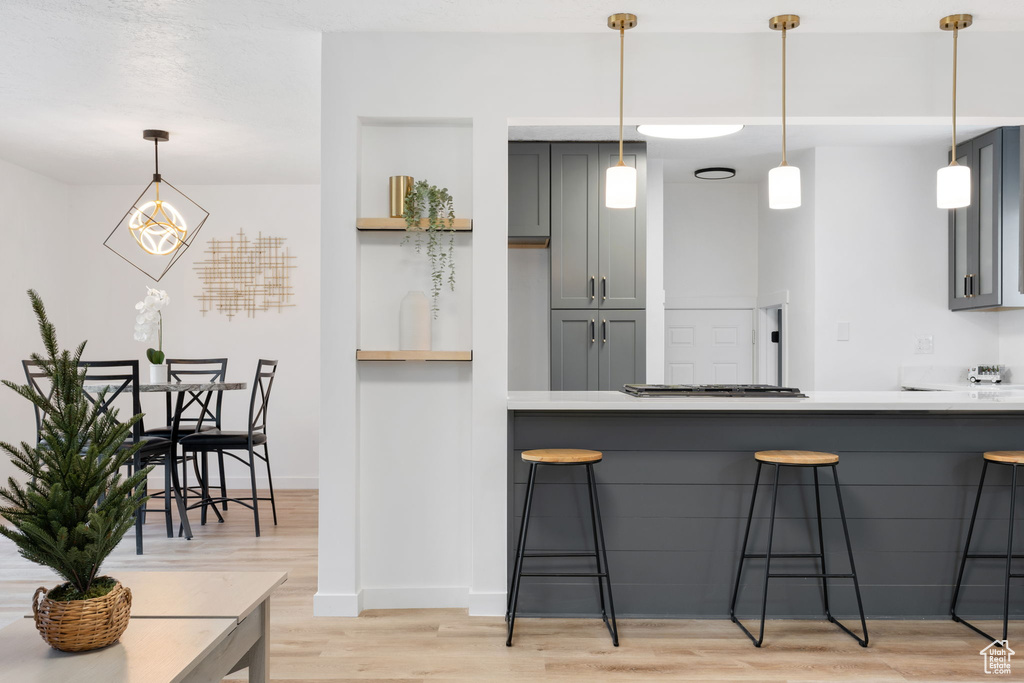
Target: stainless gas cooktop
{"points": [[709, 390]]}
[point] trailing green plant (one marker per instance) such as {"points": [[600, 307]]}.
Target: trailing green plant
{"points": [[435, 204], [75, 506]]}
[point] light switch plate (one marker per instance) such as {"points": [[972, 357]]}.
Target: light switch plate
{"points": [[925, 344], [842, 331]]}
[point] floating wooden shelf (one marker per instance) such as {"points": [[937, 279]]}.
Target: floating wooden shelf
{"points": [[415, 355], [461, 224], [528, 242]]}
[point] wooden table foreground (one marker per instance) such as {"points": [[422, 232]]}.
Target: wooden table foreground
{"points": [[185, 626]]}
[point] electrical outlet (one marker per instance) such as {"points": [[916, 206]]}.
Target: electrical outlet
{"points": [[925, 344]]}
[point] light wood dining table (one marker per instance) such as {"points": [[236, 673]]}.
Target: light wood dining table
{"points": [[185, 627]]}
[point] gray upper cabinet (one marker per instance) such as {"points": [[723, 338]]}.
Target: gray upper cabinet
{"points": [[574, 225], [597, 350], [622, 243], [985, 237], [529, 192], [574, 351], [598, 255]]}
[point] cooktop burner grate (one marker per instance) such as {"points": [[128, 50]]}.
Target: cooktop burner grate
{"points": [[709, 390]]}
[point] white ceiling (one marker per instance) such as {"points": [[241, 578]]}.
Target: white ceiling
{"points": [[237, 82], [755, 149]]}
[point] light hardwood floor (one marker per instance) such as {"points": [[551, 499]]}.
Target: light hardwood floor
{"points": [[446, 644]]}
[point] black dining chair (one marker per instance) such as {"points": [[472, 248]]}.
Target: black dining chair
{"points": [[200, 410], [123, 378], [36, 377], [234, 443]]}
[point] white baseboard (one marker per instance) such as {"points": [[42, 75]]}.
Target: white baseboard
{"points": [[487, 604], [337, 604], [426, 597]]}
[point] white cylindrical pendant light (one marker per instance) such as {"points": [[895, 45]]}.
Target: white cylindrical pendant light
{"points": [[953, 186], [784, 180], [620, 187], [784, 187], [953, 183], [620, 180]]}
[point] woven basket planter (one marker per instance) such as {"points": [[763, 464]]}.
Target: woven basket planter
{"points": [[79, 625]]}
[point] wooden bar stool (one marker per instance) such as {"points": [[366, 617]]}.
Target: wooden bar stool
{"points": [[562, 457], [1012, 459], [814, 460]]}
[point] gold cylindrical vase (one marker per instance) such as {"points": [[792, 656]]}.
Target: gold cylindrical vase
{"points": [[399, 186]]}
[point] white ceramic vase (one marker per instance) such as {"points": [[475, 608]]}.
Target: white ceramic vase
{"points": [[414, 322], [158, 373]]}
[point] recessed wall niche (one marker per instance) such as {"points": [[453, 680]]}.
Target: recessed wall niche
{"points": [[441, 152]]}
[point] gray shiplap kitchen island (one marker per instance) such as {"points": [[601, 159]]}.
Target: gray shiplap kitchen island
{"points": [[675, 489]]}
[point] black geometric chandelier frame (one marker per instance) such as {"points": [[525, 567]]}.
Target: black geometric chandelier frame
{"points": [[160, 225]]}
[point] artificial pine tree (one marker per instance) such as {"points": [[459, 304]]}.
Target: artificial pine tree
{"points": [[75, 507]]}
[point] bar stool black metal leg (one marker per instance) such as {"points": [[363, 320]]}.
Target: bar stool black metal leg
{"points": [[768, 557], [743, 550], [613, 628], [767, 566], [1009, 553], [597, 545], [513, 599], [821, 546], [853, 569], [967, 549]]}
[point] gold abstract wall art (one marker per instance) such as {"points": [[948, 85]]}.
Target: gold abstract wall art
{"points": [[243, 276]]}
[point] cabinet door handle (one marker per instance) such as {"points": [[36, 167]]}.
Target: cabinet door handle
{"points": [[604, 331], [592, 287], [970, 280], [604, 288], [965, 286], [593, 331]]}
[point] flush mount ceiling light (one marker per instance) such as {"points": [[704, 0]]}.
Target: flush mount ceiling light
{"points": [[687, 131], [784, 180], [620, 180], [953, 182], [715, 173], [161, 223]]}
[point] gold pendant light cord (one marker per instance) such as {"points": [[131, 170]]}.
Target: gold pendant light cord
{"points": [[784, 97], [622, 71], [156, 166], [956, 31]]}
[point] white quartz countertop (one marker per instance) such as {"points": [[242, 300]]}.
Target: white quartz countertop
{"points": [[962, 386], [979, 400]]}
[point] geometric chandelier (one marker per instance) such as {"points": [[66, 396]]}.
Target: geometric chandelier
{"points": [[160, 225]]}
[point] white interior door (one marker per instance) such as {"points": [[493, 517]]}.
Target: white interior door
{"points": [[709, 346]]}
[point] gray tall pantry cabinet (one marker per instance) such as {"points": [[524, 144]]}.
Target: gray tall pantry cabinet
{"points": [[598, 261]]}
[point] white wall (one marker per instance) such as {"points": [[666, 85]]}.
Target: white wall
{"points": [[655, 271], [786, 271], [417, 491], [35, 255], [564, 78], [881, 250], [91, 295], [711, 240], [529, 319]]}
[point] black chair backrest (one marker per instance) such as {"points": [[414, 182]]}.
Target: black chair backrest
{"points": [[261, 385], [121, 376], [196, 409], [37, 380]]}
